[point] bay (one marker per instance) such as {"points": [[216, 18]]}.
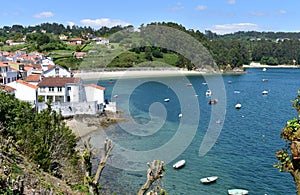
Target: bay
{"points": [[244, 154]]}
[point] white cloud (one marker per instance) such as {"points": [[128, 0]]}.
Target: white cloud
{"points": [[201, 7], [232, 2], [70, 23], [281, 12], [230, 28], [103, 22], [177, 7], [44, 15]]}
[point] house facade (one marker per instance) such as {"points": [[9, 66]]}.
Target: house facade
{"points": [[7, 75], [57, 71], [61, 89], [94, 93], [24, 91]]}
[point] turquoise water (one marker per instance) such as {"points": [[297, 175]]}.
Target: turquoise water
{"points": [[244, 154]]}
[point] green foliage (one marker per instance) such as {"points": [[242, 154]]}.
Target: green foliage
{"points": [[290, 133], [43, 137]]}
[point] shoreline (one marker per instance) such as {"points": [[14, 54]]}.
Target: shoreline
{"points": [[147, 73], [257, 65]]}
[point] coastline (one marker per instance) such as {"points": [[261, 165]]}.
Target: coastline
{"points": [[144, 73], [258, 65]]}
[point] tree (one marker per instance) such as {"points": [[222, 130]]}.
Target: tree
{"points": [[289, 157], [154, 174], [43, 39]]}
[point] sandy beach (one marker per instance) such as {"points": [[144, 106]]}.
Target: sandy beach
{"points": [[137, 74], [258, 65]]}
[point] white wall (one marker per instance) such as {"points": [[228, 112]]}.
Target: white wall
{"points": [[94, 94]]}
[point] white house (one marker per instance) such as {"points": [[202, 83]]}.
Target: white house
{"points": [[46, 63], [7, 75], [61, 89], [94, 93], [24, 91], [58, 71], [101, 40]]}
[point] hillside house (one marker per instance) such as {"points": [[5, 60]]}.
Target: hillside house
{"points": [[7, 75], [24, 91], [61, 89], [57, 71]]}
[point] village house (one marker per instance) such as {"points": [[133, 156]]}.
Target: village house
{"points": [[94, 93], [34, 79], [7, 75], [101, 40], [60, 89], [77, 41], [57, 71], [24, 91]]}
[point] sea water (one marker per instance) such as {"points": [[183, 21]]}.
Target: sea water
{"points": [[244, 152]]}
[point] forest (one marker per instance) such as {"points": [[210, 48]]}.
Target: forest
{"points": [[236, 49]]}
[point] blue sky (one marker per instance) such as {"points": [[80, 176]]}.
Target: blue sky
{"points": [[220, 16]]}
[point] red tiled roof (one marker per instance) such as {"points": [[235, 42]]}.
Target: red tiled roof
{"points": [[33, 78], [27, 84], [58, 81], [95, 86], [7, 88]]}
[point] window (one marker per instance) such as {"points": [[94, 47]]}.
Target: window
{"points": [[69, 88], [57, 71], [68, 98], [51, 89], [59, 89]]}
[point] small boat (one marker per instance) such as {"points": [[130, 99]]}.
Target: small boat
{"points": [[207, 180], [179, 164], [229, 82], [218, 121], [265, 92], [236, 91], [180, 115], [189, 84], [166, 100], [213, 101], [208, 93], [237, 192], [238, 106], [264, 69], [264, 80], [204, 83]]}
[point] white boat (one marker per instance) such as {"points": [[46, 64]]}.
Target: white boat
{"points": [[238, 106], [265, 92], [264, 69], [207, 180], [208, 93], [180, 115], [237, 192], [179, 164], [264, 80], [166, 100]]}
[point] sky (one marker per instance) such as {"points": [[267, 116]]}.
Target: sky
{"points": [[219, 16]]}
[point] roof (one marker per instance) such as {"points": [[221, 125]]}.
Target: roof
{"points": [[51, 67], [95, 86], [58, 81], [27, 84], [33, 78], [7, 88]]}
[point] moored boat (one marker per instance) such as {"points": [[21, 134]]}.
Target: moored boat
{"points": [[237, 192], [265, 92], [179, 164], [208, 93], [166, 100], [207, 180], [238, 106]]}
